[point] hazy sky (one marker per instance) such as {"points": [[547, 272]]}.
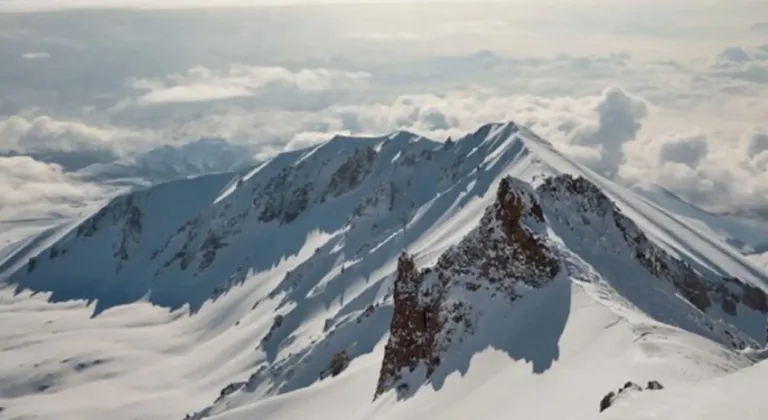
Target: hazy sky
{"points": [[672, 92]]}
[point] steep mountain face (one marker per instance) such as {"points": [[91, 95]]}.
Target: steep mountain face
{"points": [[365, 187], [514, 249], [499, 260], [746, 232], [575, 201], [375, 268]]}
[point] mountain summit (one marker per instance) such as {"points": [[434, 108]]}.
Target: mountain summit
{"points": [[404, 277]]}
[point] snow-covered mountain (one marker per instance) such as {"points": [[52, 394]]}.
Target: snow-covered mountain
{"points": [[382, 278], [749, 234], [168, 163]]}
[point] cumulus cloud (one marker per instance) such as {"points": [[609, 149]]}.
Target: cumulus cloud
{"points": [[736, 54], [68, 141], [745, 64], [619, 120], [684, 149], [717, 170], [27, 185], [200, 84], [543, 69], [756, 141]]}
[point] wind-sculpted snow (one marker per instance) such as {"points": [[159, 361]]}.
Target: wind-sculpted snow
{"points": [[364, 266]]}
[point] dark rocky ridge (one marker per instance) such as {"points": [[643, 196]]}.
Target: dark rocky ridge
{"points": [[507, 253], [501, 257]]}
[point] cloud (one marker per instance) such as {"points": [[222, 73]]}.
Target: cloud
{"points": [[200, 84], [388, 36], [745, 64], [717, 170], [72, 143], [756, 141], [28, 186], [685, 149], [736, 54], [619, 121], [454, 28], [36, 55], [682, 96]]}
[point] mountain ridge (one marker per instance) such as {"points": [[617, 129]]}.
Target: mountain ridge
{"points": [[301, 262]]}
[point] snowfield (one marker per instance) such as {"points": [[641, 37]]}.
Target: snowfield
{"points": [[281, 292]]}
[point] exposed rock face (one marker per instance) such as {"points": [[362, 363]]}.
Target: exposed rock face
{"points": [[415, 325], [433, 308], [703, 293], [287, 195], [628, 387], [122, 214], [749, 295], [338, 364], [351, 173], [654, 385], [131, 230], [123, 208], [276, 323], [229, 389]]}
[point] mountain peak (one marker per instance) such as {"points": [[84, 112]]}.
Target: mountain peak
{"points": [[380, 265], [497, 262]]}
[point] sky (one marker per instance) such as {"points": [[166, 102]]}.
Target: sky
{"points": [[668, 92]]}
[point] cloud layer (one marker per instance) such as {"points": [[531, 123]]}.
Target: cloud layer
{"points": [[200, 84], [28, 187], [664, 92], [72, 144]]}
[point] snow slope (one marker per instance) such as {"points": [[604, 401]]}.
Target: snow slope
{"points": [[729, 396], [238, 296], [748, 235]]}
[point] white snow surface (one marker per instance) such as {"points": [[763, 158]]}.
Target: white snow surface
{"points": [[748, 235], [148, 309]]}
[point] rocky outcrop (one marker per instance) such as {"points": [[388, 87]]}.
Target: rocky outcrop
{"points": [[290, 193], [415, 324], [734, 291], [629, 387], [338, 364], [229, 389], [351, 173], [131, 234], [276, 323], [123, 214], [435, 308], [123, 208]]}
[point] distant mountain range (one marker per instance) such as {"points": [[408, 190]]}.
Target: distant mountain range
{"points": [[167, 163]]}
